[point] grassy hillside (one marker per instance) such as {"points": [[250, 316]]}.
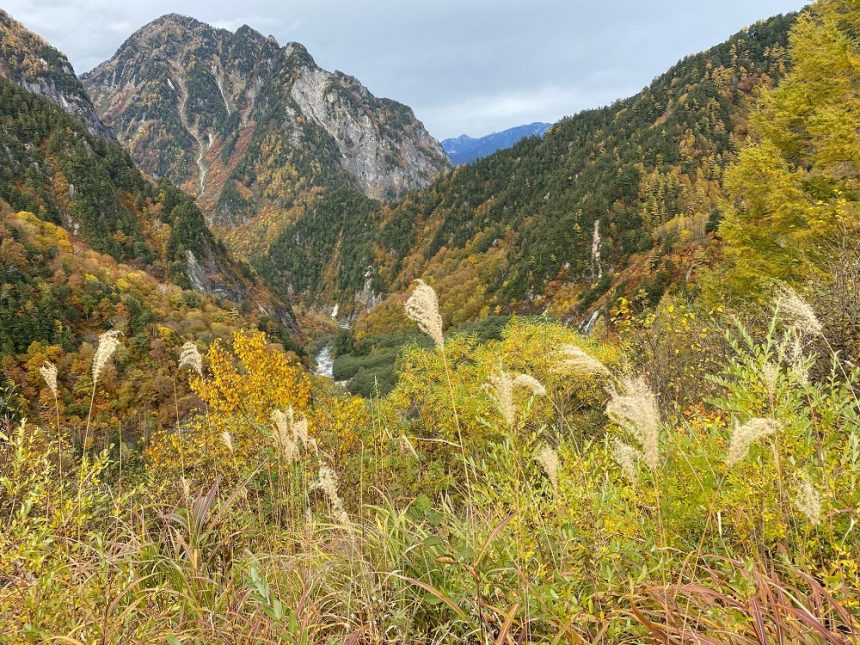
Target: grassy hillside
{"points": [[57, 296]]}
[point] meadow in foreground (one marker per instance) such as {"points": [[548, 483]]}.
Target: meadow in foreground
{"points": [[525, 489]]}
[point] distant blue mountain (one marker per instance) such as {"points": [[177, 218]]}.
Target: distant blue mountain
{"points": [[464, 149]]}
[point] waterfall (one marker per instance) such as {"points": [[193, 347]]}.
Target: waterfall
{"points": [[596, 269], [586, 327]]}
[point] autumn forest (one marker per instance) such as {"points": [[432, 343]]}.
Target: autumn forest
{"points": [[272, 370]]}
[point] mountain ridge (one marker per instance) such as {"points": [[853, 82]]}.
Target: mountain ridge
{"points": [[243, 123], [618, 200], [465, 149]]}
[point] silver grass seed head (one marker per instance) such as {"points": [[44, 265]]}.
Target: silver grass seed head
{"points": [[190, 357], [529, 383], [299, 428], [795, 356], [285, 436], [227, 440], [49, 373], [500, 387], [798, 312], [636, 411], [770, 378], [422, 307], [108, 343], [327, 482], [549, 461], [807, 500], [627, 457], [744, 436], [572, 358]]}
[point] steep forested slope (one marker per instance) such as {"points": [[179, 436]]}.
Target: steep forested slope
{"points": [[30, 62], [623, 196], [57, 295], [56, 169], [87, 244]]}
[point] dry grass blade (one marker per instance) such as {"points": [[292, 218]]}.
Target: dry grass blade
{"points": [[506, 626], [437, 594], [491, 537]]}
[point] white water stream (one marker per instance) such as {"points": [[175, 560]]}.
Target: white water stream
{"points": [[325, 357], [325, 361]]}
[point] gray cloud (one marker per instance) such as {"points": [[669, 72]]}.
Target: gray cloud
{"points": [[471, 66]]}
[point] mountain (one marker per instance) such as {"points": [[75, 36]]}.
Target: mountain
{"points": [[620, 200], [28, 61], [249, 126], [465, 149], [88, 243], [55, 167]]}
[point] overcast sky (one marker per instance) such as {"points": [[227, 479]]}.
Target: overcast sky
{"points": [[464, 66]]}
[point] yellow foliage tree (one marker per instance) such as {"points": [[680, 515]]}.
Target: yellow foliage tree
{"points": [[252, 380], [245, 385]]}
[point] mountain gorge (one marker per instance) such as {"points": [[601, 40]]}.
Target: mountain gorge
{"points": [[596, 387], [251, 127], [620, 200]]}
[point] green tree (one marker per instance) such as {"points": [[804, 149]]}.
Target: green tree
{"points": [[793, 194]]}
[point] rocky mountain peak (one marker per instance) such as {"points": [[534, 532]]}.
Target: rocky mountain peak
{"points": [[31, 63], [248, 126]]}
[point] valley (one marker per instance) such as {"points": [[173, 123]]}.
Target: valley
{"points": [[276, 365]]}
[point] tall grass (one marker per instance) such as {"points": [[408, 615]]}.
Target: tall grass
{"points": [[588, 512]]}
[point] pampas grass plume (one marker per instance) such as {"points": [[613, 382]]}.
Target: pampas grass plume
{"points": [[627, 457], [501, 389], [574, 359], [636, 411], [798, 312], [227, 440], [746, 435], [423, 308], [327, 483], [548, 459], [108, 342], [807, 500], [49, 373], [190, 357]]}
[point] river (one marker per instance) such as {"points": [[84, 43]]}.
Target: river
{"points": [[325, 360]]}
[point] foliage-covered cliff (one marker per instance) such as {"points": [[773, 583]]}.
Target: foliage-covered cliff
{"points": [[87, 243], [32, 63], [54, 167]]}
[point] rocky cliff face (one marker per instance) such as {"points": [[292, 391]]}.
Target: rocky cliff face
{"points": [[245, 124], [30, 62]]}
